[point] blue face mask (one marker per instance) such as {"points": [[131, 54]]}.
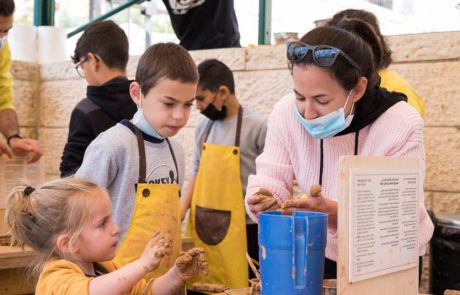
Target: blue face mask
{"points": [[327, 125], [140, 122]]}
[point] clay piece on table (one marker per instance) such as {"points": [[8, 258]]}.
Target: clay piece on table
{"points": [[207, 287]]}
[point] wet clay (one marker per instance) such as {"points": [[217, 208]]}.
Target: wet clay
{"points": [[315, 190], [206, 287], [264, 195], [254, 287], [192, 262]]}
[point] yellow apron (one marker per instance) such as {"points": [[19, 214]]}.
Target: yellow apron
{"points": [[156, 208], [217, 218]]}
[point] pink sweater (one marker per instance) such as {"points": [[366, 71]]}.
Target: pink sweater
{"points": [[291, 153]]}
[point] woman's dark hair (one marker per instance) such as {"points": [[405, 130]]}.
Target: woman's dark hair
{"points": [[353, 46], [348, 18], [6, 8], [213, 74]]}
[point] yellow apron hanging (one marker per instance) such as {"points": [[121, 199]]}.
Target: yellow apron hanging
{"points": [[217, 218], [156, 208]]}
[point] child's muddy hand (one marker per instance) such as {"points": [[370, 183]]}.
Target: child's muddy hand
{"points": [[191, 263], [158, 247]]}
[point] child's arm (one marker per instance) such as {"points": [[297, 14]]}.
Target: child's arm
{"points": [[187, 265], [123, 279]]}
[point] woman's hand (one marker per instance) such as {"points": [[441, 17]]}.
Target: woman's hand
{"points": [[315, 202], [263, 200], [157, 248]]}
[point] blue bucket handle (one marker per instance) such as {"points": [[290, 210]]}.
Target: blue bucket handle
{"points": [[299, 250]]}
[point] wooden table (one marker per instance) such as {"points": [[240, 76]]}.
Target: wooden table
{"points": [[13, 263], [13, 276]]}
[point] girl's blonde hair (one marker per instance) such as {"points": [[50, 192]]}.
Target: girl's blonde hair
{"points": [[38, 216]]}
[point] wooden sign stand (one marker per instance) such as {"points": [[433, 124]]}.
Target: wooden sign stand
{"points": [[403, 282]]}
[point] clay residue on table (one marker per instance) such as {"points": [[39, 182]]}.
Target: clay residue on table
{"points": [[207, 287]]}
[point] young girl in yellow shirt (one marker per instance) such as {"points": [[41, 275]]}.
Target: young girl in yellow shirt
{"points": [[69, 223]]}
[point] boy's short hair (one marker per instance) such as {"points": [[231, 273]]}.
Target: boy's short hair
{"points": [[213, 74], [165, 60], [108, 41], [6, 8]]}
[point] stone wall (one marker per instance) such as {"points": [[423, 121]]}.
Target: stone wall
{"points": [[46, 95]]}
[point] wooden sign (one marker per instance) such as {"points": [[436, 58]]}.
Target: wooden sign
{"points": [[378, 225]]}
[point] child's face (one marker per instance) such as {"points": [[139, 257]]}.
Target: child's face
{"points": [[206, 97], [99, 238], [166, 106]]}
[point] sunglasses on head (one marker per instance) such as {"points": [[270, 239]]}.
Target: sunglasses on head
{"points": [[323, 55]]}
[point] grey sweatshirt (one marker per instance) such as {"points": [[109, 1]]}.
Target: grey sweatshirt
{"points": [[112, 161]]}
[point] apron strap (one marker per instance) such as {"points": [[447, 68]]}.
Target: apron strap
{"points": [[208, 130], [142, 159], [239, 122], [174, 158], [141, 148]]}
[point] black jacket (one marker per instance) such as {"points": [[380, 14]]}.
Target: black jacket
{"points": [[104, 106], [204, 24]]}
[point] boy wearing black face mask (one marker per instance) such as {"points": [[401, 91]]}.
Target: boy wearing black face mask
{"points": [[228, 140]]}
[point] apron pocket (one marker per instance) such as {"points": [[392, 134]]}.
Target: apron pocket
{"points": [[211, 224]]}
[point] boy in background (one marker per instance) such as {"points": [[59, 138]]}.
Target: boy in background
{"points": [[101, 56], [228, 140]]}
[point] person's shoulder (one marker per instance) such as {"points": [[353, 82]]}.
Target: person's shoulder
{"points": [[285, 102], [393, 81], [202, 122], [115, 136], [252, 115], [86, 106], [201, 126], [56, 265], [60, 276], [254, 123], [400, 116], [176, 144], [283, 108]]}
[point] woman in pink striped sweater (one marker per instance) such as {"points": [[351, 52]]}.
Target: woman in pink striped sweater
{"points": [[337, 108]]}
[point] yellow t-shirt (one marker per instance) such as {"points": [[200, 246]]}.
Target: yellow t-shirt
{"points": [[394, 82], [62, 277], [6, 80]]}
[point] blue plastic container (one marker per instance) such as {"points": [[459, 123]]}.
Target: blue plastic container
{"points": [[291, 252]]}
